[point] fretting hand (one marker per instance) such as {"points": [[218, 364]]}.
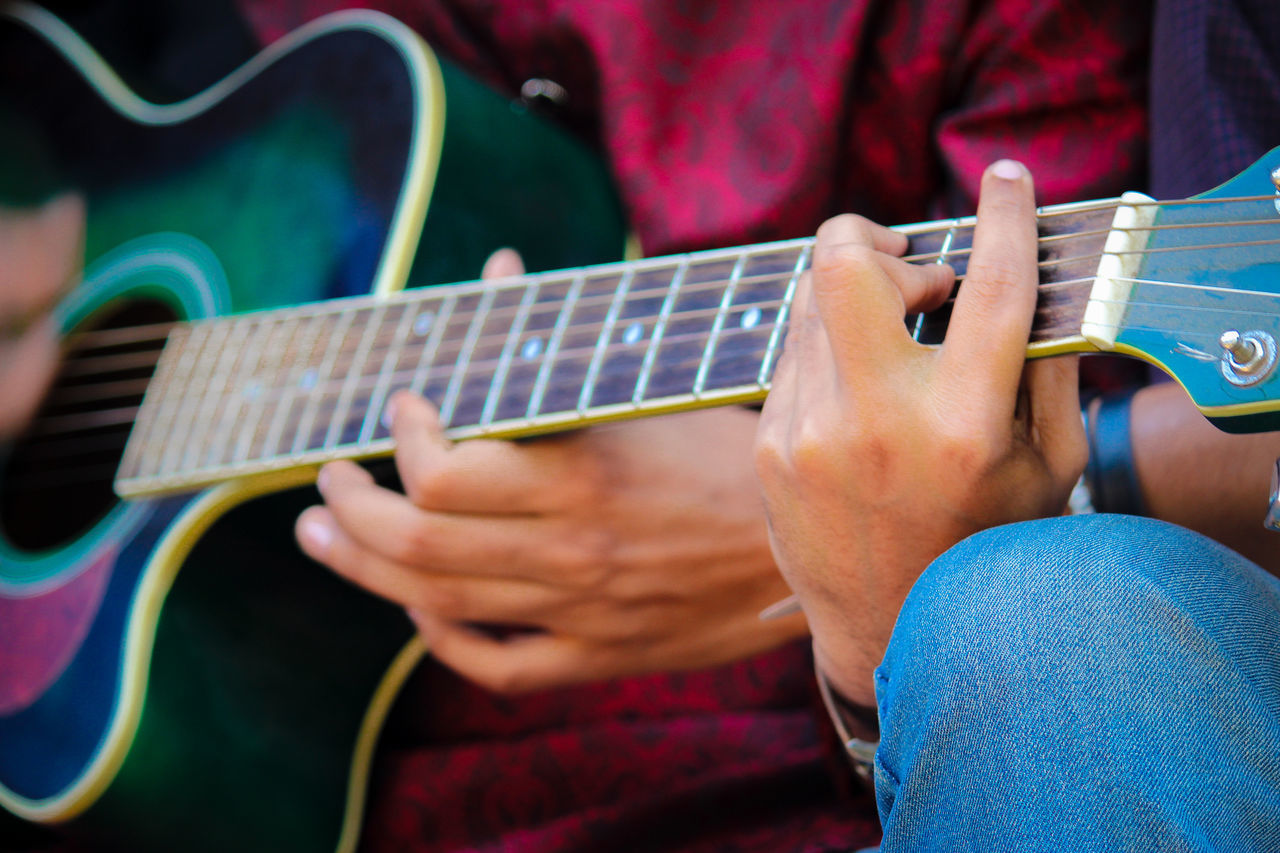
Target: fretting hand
{"points": [[876, 453]]}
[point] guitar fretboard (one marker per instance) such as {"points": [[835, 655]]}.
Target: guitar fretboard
{"points": [[256, 392]]}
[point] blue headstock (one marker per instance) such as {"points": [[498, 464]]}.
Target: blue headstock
{"points": [[1205, 300]]}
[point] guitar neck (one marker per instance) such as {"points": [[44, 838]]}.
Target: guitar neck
{"points": [[241, 395]]}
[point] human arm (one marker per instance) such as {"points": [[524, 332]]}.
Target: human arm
{"points": [[628, 548], [40, 257], [876, 454], [1197, 476]]}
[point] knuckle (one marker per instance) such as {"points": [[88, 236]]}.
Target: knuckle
{"points": [[769, 451], [843, 260], [970, 453], [416, 541], [586, 558], [440, 599], [431, 487]]}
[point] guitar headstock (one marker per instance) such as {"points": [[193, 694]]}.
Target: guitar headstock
{"points": [[1205, 298]]}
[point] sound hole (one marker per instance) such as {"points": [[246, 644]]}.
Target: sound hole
{"points": [[56, 483]]}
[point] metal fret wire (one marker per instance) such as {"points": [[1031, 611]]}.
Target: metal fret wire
{"points": [[508, 352]]}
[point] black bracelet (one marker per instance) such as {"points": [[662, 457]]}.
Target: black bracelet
{"points": [[1110, 474]]}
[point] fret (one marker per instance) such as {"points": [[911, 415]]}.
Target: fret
{"points": [[508, 352], [319, 392], [224, 365], [780, 322], [685, 334], [267, 389], [437, 325], [741, 343], [450, 401], [479, 371], [223, 426], [553, 346], [623, 357], [138, 448], [951, 241], [597, 356], [919, 325], [386, 373], [191, 396], [947, 240], [581, 337], [655, 340], [301, 377], [700, 380], [354, 374], [518, 375]]}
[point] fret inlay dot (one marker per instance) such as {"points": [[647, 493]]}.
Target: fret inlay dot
{"points": [[750, 318], [309, 378], [422, 323], [634, 333], [532, 349]]}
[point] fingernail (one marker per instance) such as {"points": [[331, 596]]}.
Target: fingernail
{"points": [[318, 535], [322, 479], [1009, 170], [785, 607], [390, 412]]}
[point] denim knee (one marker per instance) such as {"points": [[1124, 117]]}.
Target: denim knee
{"points": [[1102, 661]]}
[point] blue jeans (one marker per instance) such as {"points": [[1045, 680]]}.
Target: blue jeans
{"points": [[1083, 683]]}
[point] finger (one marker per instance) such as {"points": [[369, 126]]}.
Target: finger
{"points": [[802, 325], [504, 263], [386, 523], [421, 447], [862, 294], [477, 476], [986, 342], [1055, 427], [476, 599], [43, 250], [516, 664]]}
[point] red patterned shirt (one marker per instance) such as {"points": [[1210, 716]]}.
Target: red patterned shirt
{"points": [[727, 123]]}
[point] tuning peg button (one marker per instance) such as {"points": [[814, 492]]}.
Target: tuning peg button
{"points": [[1247, 357]]}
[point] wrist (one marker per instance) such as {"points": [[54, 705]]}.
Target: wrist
{"points": [[850, 673], [857, 727], [1111, 475]]}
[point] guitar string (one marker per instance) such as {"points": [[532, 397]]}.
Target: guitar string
{"points": [[118, 336], [122, 416], [58, 477], [353, 448], [711, 286], [444, 369], [60, 424]]}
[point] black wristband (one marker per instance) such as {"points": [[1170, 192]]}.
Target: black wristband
{"points": [[1110, 475]]}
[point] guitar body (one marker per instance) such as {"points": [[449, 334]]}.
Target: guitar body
{"points": [[174, 674]]}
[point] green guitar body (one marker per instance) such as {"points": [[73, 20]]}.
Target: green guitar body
{"points": [[174, 674]]}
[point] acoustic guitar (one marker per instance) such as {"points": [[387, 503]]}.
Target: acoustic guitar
{"points": [[166, 654]]}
